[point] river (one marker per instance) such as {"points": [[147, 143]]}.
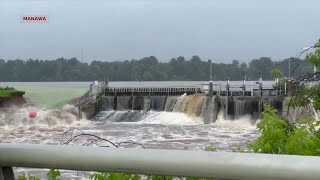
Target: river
{"points": [[153, 129]]}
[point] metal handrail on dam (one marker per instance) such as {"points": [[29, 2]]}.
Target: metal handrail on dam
{"points": [[234, 90], [201, 164], [152, 90]]}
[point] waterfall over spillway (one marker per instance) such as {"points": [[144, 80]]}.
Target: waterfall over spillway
{"points": [[158, 102], [124, 103], [196, 105], [138, 103], [146, 102], [170, 103], [107, 103], [210, 109], [247, 106], [191, 105]]}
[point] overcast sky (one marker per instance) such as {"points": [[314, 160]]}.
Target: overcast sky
{"points": [[109, 30]]}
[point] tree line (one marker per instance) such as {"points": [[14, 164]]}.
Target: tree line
{"points": [[145, 69]]}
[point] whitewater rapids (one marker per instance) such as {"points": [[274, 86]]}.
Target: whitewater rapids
{"points": [[153, 129]]}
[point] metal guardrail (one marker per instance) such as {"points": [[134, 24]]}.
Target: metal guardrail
{"points": [[154, 89], [90, 95], [221, 165]]}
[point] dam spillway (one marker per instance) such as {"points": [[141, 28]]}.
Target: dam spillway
{"points": [[196, 105], [192, 101]]}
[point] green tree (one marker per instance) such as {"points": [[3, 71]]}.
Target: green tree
{"points": [[276, 73], [262, 66]]}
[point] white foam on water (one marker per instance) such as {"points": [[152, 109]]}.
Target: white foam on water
{"points": [[163, 130], [153, 117], [244, 121], [153, 129], [19, 116], [17, 126]]}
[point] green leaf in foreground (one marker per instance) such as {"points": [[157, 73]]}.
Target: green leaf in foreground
{"points": [[26, 176], [53, 174]]}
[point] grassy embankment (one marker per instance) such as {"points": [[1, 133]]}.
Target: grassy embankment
{"points": [[51, 97], [6, 92]]}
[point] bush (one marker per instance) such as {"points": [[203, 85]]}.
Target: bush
{"points": [[280, 137]]}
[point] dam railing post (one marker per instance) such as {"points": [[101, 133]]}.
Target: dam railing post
{"points": [[251, 88], [243, 86], [210, 89], [227, 86], [260, 85], [219, 87], [227, 101]]}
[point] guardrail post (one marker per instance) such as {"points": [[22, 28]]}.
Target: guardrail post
{"points": [[219, 88], [260, 85], [244, 86], [6, 173], [251, 88], [227, 86]]}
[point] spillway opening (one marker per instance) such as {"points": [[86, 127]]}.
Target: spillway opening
{"points": [[196, 105]]}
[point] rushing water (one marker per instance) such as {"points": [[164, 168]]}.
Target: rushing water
{"points": [[165, 130], [152, 129]]}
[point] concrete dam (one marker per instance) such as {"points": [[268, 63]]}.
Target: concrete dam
{"points": [[192, 101], [200, 105]]}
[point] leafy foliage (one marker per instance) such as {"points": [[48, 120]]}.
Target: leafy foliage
{"points": [[8, 91], [280, 137], [159, 178], [275, 132], [26, 176], [125, 176], [53, 174], [314, 57], [276, 72], [210, 148], [113, 176]]}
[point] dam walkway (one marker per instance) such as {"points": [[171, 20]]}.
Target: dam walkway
{"points": [[234, 101], [177, 91], [150, 91]]}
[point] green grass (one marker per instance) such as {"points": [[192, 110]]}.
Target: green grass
{"points": [[7, 91], [51, 97]]}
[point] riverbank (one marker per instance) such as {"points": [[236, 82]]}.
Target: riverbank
{"points": [[9, 96]]}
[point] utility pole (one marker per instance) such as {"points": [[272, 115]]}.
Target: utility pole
{"points": [[289, 70], [210, 64]]}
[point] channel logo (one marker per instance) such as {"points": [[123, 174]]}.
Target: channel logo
{"points": [[34, 19]]}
